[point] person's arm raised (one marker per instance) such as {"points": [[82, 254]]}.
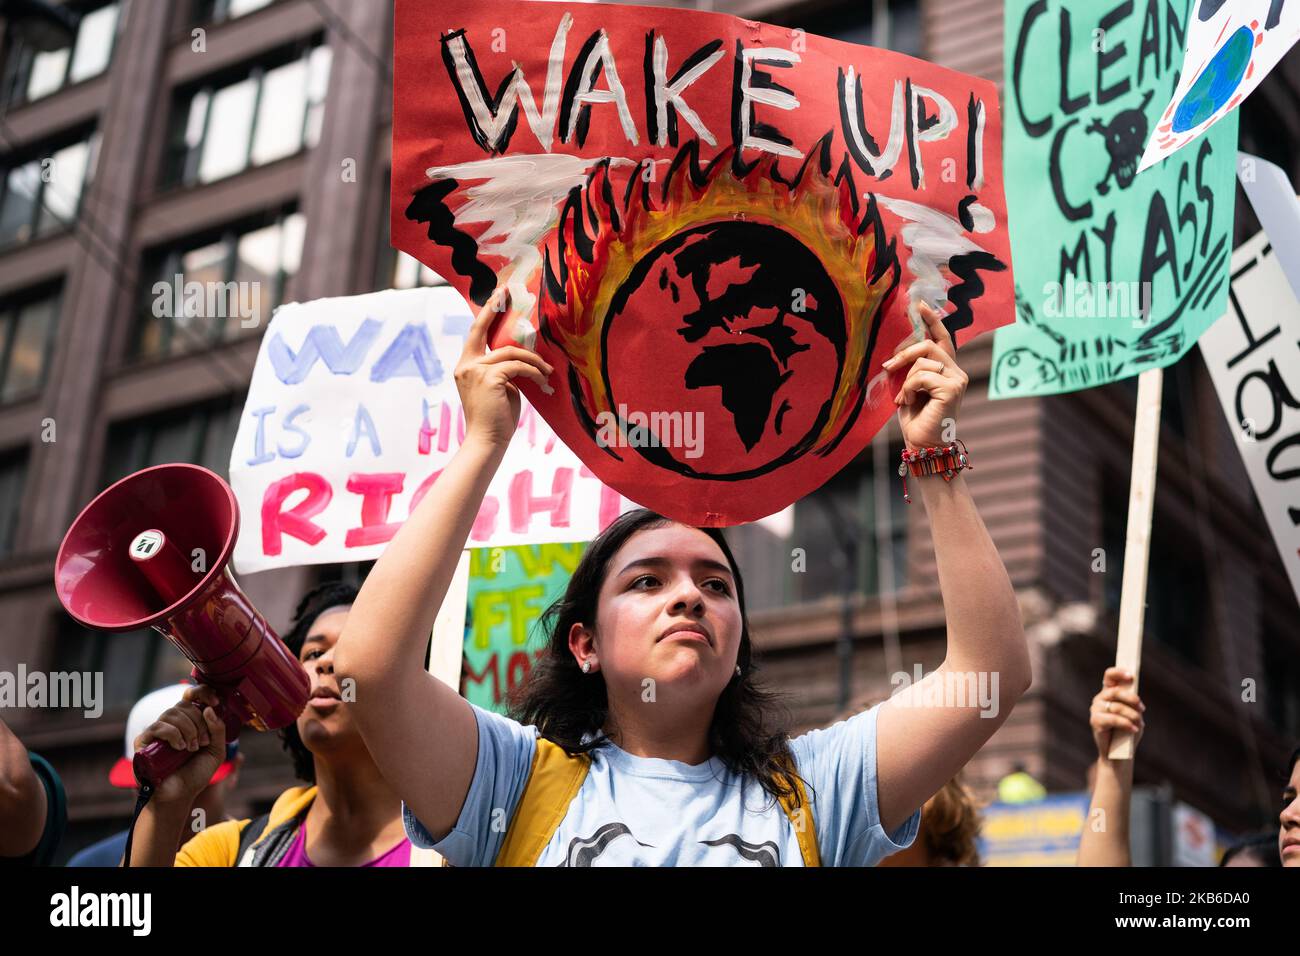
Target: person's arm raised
{"points": [[420, 732], [921, 744], [1105, 840]]}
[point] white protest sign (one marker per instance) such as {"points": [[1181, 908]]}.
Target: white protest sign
{"points": [[352, 414], [1253, 354], [1230, 49], [1277, 208]]}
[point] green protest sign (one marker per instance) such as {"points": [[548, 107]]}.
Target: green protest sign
{"points": [[1116, 272], [509, 589]]}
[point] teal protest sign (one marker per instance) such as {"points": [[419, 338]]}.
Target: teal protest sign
{"points": [[509, 589], [1116, 272]]}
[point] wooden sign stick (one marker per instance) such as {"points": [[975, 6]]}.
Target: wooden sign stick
{"points": [[1137, 542]]}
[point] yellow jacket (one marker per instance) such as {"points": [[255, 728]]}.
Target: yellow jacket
{"points": [[218, 845]]}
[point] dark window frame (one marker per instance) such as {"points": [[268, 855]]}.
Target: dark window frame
{"points": [[850, 21], [76, 648], [143, 430], [861, 472], [13, 93], [1174, 552], [181, 164], [10, 310], [13, 460], [40, 209], [161, 264], [199, 15], [389, 255]]}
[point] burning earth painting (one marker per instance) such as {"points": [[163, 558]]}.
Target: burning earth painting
{"points": [[749, 289], [776, 291]]}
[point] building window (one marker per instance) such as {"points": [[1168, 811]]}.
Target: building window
{"points": [[27, 327], [31, 74], [1282, 685], [396, 269], [855, 21], [834, 530], [133, 662], [13, 477], [43, 194], [837, 524], [200, 435], [217, 288], [1178, 610], [263, 114], [410, 273], [1175, 378], [217, 11]]}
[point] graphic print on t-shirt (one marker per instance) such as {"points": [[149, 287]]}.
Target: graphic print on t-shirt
{"points": [[584, 851], [765, 854]]}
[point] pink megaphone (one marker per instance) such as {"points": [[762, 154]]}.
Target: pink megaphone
{"points": [[152, 551]]}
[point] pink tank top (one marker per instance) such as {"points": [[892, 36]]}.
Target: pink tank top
{"points": [[399, 855]]}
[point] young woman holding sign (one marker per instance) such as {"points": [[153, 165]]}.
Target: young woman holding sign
{"points": [[643, 738]]}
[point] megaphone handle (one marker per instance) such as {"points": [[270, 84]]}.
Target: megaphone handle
{"points": [[159, 760]]}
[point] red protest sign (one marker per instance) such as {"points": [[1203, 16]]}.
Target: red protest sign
{"points": [[715, 229]]}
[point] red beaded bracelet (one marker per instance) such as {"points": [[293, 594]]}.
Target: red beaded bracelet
{"points": [[943, 460]]}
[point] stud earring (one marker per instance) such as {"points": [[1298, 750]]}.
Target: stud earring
{"points": [[737, 670], [586, 666]]}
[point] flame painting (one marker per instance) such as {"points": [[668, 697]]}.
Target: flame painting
{"points": [[715, 260]]}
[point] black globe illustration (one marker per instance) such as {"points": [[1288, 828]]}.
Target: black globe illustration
{"points": [[736, 322]]}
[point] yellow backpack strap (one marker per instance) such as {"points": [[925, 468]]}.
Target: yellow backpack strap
{"points": [[553, 782], [801, 818]]}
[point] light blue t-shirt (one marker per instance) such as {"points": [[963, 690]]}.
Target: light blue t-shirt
{"points": [[645, 811]]}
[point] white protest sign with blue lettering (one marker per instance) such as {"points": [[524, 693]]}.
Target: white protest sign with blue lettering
{"points": [[351, 416]]}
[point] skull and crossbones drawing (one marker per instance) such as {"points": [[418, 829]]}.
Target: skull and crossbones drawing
{"points": [[1125, 136]]}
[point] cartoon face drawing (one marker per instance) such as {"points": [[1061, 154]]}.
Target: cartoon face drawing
{"points": [[1125, 137], [1022, 370]]}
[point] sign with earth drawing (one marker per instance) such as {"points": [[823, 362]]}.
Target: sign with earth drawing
{"points": [[715, 229], [1116, 271]]}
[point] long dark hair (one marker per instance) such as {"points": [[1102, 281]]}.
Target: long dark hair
{"points": [[1261, 847], [750, 727], [318, 599]]}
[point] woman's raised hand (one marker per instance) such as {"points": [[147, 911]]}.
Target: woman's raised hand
{"points": [[933, 389], [483, 377], [1117, 706]]}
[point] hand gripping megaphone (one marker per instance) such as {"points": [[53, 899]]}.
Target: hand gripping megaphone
{"points": [[151, 551]]}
